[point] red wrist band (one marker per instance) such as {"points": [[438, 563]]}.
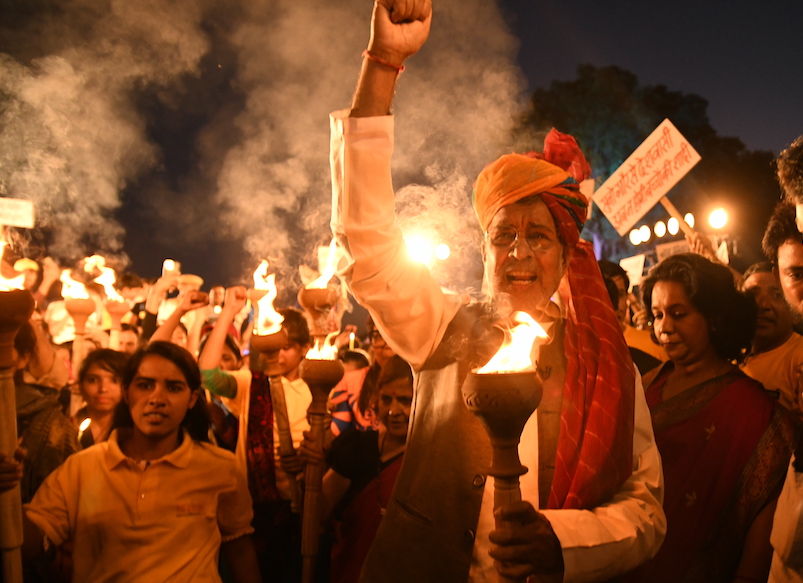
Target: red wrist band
{"points": [[368, 55]]}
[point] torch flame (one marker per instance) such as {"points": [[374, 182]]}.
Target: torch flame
{"points": [[84, 424], [328, 271], [268, 320], [72, 289], [514, 355], [324, 349], [13, 283], [106, 277]]}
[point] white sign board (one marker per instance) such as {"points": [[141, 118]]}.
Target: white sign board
{"points": [[647, 175], [634, 266], [665, 250], [15, 212]]}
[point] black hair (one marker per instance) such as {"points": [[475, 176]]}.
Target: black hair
{"points": [[790, 171], [196, 421], [396, 368], [613, 291], [780, 229], [731, 314], [613, 270], [130, 328], [107, 359], [128, 279], [25, 340], [760, 267], [296, 326], [357, 358], [229, 342]]}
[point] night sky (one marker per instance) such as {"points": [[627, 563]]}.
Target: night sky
{"points": [[741, 57]]}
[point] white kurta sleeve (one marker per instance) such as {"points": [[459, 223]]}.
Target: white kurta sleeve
{"points": [[787, 527], [407, 304], [614, 538]]}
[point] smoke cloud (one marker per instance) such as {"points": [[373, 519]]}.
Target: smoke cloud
{"points": [[299, 60], [257, 80], [71, 137]]}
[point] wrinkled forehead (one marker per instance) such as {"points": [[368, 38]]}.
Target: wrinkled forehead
{"points": [[526, 213]]}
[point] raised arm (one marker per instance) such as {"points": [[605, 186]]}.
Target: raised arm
{"points": [[404, 300], [213, 349], [398, 29], [192, 300]]}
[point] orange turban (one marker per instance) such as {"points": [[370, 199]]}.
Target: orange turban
{"points": [[595, 446], [556, 173]]}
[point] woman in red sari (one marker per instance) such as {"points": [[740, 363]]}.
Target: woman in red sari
{"points": [[363, 469], [724, 442]]}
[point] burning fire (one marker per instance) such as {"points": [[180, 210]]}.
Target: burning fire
{"points": [[514, 355], [71, 289], [13, 283], [324, 349], [106, 277], [268, 320], [328, 271]]}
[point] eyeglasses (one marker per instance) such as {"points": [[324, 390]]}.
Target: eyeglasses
{"points": [[537, 239]]}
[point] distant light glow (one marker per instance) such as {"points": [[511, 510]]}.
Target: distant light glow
{"points": [[689, 218], [660, 229], [673, 226], [645, 233], [442, 252], [84, 424], [718, 218], [420, 249], [635, 237]]}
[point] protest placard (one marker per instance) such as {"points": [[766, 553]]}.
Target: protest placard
{"points": [[645, 177], [15, 212], [634, 266]]}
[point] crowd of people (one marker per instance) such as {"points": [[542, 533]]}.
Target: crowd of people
{"points": [[665, 447]]}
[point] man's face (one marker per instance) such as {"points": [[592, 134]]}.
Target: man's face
{"points": [[790, 270], [621, 308], [524, 258], [128, 342], [774, 322]]}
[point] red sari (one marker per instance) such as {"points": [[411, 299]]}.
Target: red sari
{"points": [[725, 445], [359, 522]]}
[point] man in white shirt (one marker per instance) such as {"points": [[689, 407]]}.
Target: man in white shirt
{"points": [[599, 483]]}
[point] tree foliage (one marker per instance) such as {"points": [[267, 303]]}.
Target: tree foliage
{"points": [[610, 114]]}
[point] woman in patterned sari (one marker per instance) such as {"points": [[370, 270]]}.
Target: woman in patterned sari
{"points": [[724, 442]]}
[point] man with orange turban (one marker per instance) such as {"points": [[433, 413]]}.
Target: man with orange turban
{"points": [[592, 509]]}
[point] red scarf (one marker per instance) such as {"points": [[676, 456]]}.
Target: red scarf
{"points": [[259, 442]]}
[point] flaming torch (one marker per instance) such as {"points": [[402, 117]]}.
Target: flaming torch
{"points": [[15, 282], [503, 394], [321, 371], [267, 339], [16, 308], [115, 303], [318, 299], [80, 307]]}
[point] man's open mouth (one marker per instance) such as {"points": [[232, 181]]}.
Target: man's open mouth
{"points": [[521, 278]]}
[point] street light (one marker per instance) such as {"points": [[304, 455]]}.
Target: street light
{"points": [[645, 233], [635, 237], [660, 229], [689, 218], [718, 218], [673, 226]]}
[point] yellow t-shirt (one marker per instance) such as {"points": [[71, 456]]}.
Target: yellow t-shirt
{"points": [[779, 369], [163, 521]]}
